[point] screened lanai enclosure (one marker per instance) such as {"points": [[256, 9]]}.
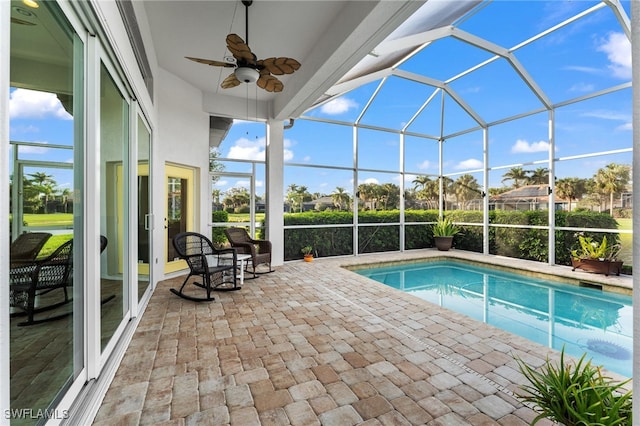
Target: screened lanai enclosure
{"points": [[511, 118]]}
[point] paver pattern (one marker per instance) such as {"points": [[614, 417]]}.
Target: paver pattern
{"points": [[316, 344]]}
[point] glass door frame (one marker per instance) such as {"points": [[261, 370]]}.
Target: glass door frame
{"points": [[97, 59], [189, 174], [252, 200], [142, 170]]}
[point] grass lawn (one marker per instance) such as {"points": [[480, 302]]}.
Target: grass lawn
{"points": [[244, 217], [626, 240], [50, 219], [53, 243]]}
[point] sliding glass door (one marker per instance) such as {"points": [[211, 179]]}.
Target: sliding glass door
{"points": [[46, 342]]}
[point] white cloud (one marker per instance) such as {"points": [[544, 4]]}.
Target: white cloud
{"points": [[338, 106], [607, 115], [288, 154], [409, 178], [588, 70], [613, 116], [370, 180], [22, 129], [474, 89], [24, 103], [27, 149], [582, 87], [471, 163], [424, 165], [245, 149], [618, 50], [521, 146]]}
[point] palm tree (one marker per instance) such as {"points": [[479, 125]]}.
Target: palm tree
{"points": [[612, 179], [341, 198], [426, 189], [420, 182], [368, 193], [302, 194], [516, 174], [448, 187], [389, 195], [539, 176], [292, 197], [65, 194], [466, 189], [44, 184], [570, 188]]}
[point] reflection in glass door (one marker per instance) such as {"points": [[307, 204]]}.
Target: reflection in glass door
{"points": [[46, 339], [44, 195], [114, 125], [144, 208], [180, 209]]}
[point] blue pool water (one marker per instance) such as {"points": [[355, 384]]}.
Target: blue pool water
{"points": [[553, 314]]}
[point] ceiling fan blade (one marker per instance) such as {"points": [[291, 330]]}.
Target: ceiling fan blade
{"points": [[239, 49], [269, 83], [230, 81], [211, 62], [280, 66]]}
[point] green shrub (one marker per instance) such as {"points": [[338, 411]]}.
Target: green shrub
{"points": [[518, 242], [217, 234], [575, 394]]}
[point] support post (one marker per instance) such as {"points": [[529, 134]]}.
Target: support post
{"points": [[275, 189]]}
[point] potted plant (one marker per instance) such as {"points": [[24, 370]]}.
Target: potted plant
{"points": [[443, 232], [307, 252], [598, 257]]}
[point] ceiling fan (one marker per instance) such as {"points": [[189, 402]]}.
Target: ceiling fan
{"points": [[248, 68]]}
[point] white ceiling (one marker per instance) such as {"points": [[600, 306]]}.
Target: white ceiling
{"points": [[327, 37]]}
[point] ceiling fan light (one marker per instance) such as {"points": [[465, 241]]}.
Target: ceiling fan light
{"points": [[31, 3], [246, 74]]}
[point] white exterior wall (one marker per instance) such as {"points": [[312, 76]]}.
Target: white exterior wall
{"points": [[181, 137]]}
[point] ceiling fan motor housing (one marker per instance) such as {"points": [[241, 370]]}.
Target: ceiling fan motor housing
{"points": [[247, 74]]}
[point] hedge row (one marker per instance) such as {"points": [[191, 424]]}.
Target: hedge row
{"points": [[531, 244]]}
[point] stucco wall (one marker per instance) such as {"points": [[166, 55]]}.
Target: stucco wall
{"points": [[181, 137]]}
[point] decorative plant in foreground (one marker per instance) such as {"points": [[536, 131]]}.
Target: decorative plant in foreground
{"points": [[576, 394]]}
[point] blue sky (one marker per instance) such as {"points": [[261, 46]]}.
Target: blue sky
{"points": [[590, 55]]}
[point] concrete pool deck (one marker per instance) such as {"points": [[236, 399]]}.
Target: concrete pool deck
{"points": [[316, 344]]}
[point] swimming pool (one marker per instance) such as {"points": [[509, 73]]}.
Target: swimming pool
{"points": [[550, 313]]}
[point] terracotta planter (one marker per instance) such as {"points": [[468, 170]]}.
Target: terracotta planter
{"points": [[596, 266], [443, 243], [308, 258]]}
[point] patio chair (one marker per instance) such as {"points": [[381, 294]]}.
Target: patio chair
{"points": [[260, 250], [26, 247], [28, 281], [216, 267]]}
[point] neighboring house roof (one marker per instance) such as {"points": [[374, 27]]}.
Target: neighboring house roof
{"points": [[322, 200], [524, 193]]}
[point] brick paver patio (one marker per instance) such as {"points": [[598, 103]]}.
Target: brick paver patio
{"points": [[315, 344]]}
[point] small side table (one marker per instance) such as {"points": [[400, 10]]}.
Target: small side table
{"points": [[242, 261]]}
